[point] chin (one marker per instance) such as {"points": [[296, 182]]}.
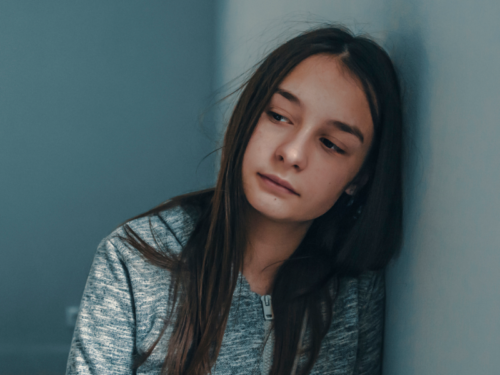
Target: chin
{"points": [[274, 211]]}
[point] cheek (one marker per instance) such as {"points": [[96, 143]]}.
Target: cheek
{"points": [[328, 187], [256, 148], [327, 192], [252, 156], [257, 138]]}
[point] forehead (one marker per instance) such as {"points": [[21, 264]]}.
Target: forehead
{"points": [[326, 74], [328, 91]]}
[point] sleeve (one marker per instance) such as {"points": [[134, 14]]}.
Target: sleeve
{"points": [[104, 337], [371, 326]]}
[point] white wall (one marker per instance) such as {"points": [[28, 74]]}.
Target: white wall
{"points": [[443, 306]]}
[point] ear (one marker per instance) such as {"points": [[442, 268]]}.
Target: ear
{"points": [[351, 189], [354, 188]]}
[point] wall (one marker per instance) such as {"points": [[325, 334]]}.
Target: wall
{"points": [[99, 121], [443, 302]]}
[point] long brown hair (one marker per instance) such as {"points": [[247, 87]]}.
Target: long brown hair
{"points": [[355, 235]]}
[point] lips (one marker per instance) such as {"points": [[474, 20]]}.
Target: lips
{"points": [[279, 181]]}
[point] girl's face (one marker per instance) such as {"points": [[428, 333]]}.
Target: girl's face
{"points": [[309, 143]]}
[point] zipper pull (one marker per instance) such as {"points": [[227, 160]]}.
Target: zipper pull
{"points": [[267, 307]]}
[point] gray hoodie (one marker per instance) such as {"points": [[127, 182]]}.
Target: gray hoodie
{"points": [[125, 302]]}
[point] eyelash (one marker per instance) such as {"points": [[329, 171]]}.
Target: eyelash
{"points": [[335, 147], [328, 144], [273, 116]]}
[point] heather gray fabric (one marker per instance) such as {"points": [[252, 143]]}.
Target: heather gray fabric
{"points": [[125, 301]]}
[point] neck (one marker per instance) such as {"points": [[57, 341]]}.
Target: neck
{"points": [[269, 244]]}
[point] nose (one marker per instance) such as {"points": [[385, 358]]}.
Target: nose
{"points": [[293, 152]]}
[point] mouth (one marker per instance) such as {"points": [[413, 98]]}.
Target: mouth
{"points": [[278, 183]]}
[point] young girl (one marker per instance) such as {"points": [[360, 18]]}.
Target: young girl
{"points": [[279, 268]]}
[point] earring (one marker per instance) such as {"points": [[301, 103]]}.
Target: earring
{"points": [[351, 190]]}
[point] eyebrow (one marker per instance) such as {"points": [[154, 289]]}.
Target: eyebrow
{"points": [[351, 129]]}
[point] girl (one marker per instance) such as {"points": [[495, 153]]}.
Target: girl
{"points": [[279, 268]]}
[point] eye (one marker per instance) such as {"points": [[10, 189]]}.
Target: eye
{"points": [[277, 117], [332, 146]]}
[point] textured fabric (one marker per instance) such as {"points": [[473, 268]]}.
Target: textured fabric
{"points": [[125, 302]]}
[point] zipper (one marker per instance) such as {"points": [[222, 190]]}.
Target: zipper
{"points": [[267, 352], [269, 344], [267, 307]]}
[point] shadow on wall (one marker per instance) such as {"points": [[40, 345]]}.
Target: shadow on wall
{"points": [[411, 61], [406, 48]]}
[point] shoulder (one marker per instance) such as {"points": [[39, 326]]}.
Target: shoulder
{"points": [[363, 286], [357, 295], [357, 324], [125, 295], [166, 232], [170, 228], [371, 286]]}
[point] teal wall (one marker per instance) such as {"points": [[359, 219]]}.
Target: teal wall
{"points": [[100, 105], [443, 303]]}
